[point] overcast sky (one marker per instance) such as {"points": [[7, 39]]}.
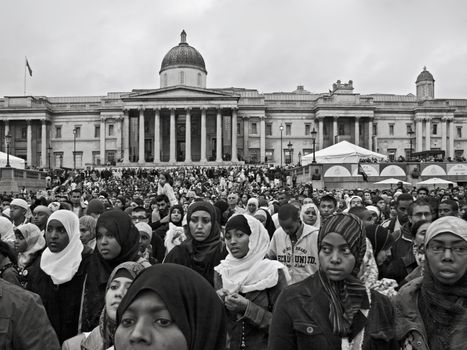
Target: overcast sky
{"points": [[91, 47]]}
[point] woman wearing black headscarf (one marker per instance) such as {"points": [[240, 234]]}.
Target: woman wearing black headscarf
{"points": [[333, 309], [172, 308], [117, 242], [203, 249]]}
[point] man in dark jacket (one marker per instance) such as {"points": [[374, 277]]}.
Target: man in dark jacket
{"points": [[26, 325]]}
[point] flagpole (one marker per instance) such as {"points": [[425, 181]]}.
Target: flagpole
{"points": [[25, 59]]}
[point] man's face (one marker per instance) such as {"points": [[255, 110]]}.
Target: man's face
{"points": [[445, 209], [282, 199], [290, 226], [75, 198], [16, 212], [232, 199], [139, 216], [422, 194], [421, 212], [402, 211], [326, 208], [163, 206]]}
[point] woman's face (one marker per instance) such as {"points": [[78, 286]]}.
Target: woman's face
{"points": [[56, 236], [117, 290], [107, 244], [118, 203], [20, 243], [162, 180], [176, 216], [309, 216], [244, 198], [200, 225], [237, 242], [85, 234], [252, 207], [335, 257], [147, 324]]}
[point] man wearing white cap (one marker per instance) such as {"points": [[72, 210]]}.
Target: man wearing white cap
{"points": [[18, 209]]}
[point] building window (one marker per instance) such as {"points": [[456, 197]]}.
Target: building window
{"points": [[96, 159], [58, 132], [375, 129], [111, 130], [288, 129], [110, 157], [254, 128], [79, 159], [58, 157], [97, 131], [459, 131], [199, 80], [182, 77], [307, 129], [341, 128], [24, 133], [239, 131], [391, 129], [409, 128], [269, 129], [77, 131], [392, 154], [434, 129], [269, 153]]}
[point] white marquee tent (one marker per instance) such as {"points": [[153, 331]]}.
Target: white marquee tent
{"points": [[15, 162], [342, 152]]}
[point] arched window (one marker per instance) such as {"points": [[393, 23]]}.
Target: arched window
{"points": [[199, 80], [182, 77]]}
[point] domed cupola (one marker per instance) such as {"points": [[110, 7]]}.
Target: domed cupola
{"points": [[425, 85], [183, 65]]}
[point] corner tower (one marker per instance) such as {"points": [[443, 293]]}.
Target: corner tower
{"points": [[183, 65], [425, 85]]}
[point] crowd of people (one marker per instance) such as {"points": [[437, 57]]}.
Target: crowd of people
{"points": [[230, 258]]}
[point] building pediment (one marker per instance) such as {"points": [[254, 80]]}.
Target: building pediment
{"points": [[179, 93]]}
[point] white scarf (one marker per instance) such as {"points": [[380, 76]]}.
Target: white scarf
{"points": [[62, 266], [35, 242], [252, 272]]}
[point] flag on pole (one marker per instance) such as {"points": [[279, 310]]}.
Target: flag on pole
{"points": [[28, 67]]}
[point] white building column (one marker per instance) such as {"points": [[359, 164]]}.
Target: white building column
{"points": [[7, 131], [234, 135], [427, 134], [444, 145], [44, 143], [357, 131], [262, 140], [203, 135], [370, 134], [188, 136], [119, 127], [157, 136], [320, 141], [141, 159], [126, 137], [245, 137], [419, 135], [334, 130], [102, 141], [29, 142], [172, 158], [451, 138], [219, 136]]}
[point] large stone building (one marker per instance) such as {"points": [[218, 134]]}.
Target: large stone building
{"points": [[184, 122]]}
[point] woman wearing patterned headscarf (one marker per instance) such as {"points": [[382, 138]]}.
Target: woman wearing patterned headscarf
{"points": [[58, 276], [102, 337], [333, 309], [432, 309], [117, 241], [203, 249]]}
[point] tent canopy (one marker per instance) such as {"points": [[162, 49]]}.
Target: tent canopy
{"points": [[15, 162], [342, 152]]}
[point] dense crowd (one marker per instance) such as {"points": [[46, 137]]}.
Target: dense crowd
{"points": [[230, 258]]}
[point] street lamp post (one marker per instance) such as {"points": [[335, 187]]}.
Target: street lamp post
{"points": [[299, 158], [411, 132], [8, 141], [74, 148], [313, 138], [49, 152], [289, 146], [281, 127]]}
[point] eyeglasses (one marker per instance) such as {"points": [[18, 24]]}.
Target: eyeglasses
{"points": [[458, 250], [138, 218]]}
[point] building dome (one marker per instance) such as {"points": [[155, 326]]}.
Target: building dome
{"points": [[183, 56], [425, 76]]}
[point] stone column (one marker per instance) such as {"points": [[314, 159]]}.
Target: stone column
{"points": [[245, 137], [126, 137], [141, 159], [444, 145], [427, 134], [419, 134], [29, 142], [320, 141], [102, 141], [44, 143], [188, 136], [357, 131], [119, 122], [219, 136], [370, 135], [262, 140], [451, 138], [7, 131], [157, 136], [334, 130], [234, 135], [203, 135], [173, 157]]}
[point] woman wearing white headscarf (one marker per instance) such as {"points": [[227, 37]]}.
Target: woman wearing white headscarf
{"points": [[252, 206], [247, 283], [309, 214], [58, 277], [29, 245]]}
